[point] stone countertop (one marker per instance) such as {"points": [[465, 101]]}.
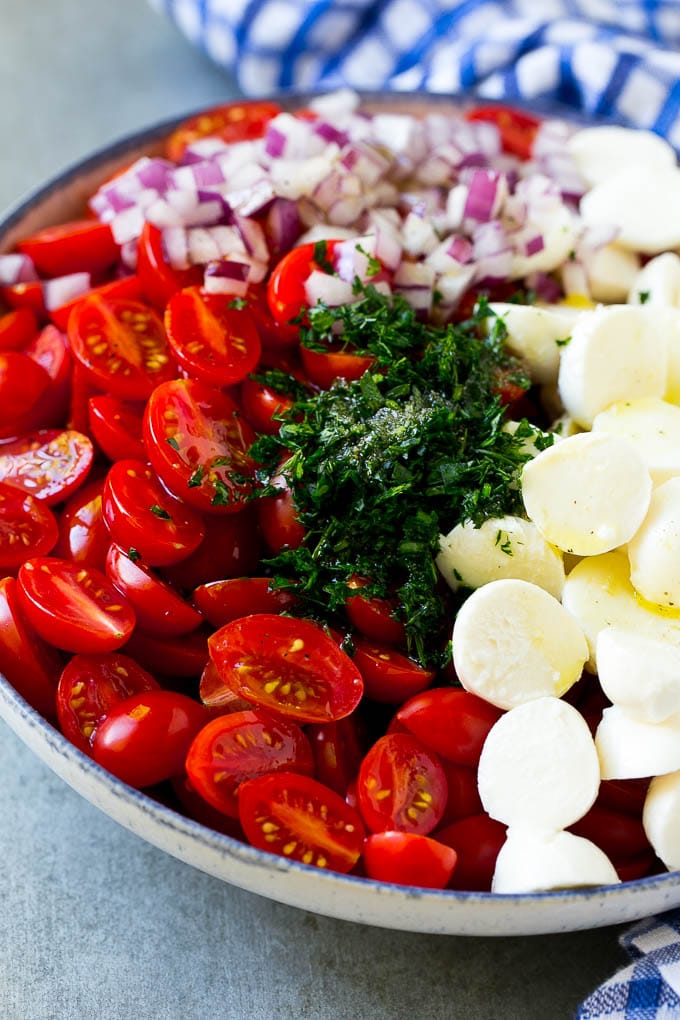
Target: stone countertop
{"points": [[95, 924]]}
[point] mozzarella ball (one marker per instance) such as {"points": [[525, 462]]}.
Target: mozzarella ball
{"points": [[654, 552], [631, 749], [639, 674], [532, 861], [652, 426], [661, 818]]}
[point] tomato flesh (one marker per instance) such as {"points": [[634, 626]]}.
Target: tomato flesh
{"points": [[401, 786], [158, 609], [83, 536], [30, 664], [27, 527], [49, 464]]}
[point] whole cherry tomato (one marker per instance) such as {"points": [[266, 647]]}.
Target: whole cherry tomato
{"points": [[454, 723], [17, 329], [262, 404], [230, 548], [338, 751], [222, 601], [278, 518], [376, 618], [78, 246], [389, 677], [406, 858], [174, 656], [477, 840], [117, 427], [23, 383]]}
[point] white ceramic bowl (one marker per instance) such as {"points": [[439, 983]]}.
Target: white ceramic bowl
{"points": [[341, 896]]}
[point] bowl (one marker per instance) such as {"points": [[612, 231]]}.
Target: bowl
{"points": [[340, 896]]}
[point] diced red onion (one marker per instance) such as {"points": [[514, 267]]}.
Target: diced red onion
{"points": [[253, 237], [16, 268], [415, 282], [486, 191], [226, 276], [197, 175], [533, 245], [274, 142], [418, 235], [255, 199], [203, 148], [494, 269], [332, 290], [452, 285], [335, 104], [330, 134], [387, 245], [176, 247], [545, 286], [366, 161], [460, 249], [489, 239], [350, 262], [283, 224], [62, 289], [128, 224], [128, 254]]}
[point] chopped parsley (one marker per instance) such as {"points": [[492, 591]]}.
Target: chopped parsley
{"points": [[159, 512], [563, 341], [380, 466], [644, 296], [134, 554], [321, 257], [196, 477], [171, 441], [503, 542], [238, 303]]}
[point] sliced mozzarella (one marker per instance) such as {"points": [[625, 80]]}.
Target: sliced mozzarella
{"points": [[600, 152], [534, 861], [598, 594], [500, 547], [558, 227], [652, 426], [539, 767], [661, 818], [658, 283], [654, 552], [587, 494], [668, 320], [640, 204], [615, 353], [513, 643], [611, 272], [639, 674], [535, 335], [631, 749]]}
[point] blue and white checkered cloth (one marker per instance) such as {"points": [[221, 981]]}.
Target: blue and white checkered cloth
{"points": [[617, 58]]}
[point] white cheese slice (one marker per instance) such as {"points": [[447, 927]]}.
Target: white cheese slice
{"points": [[501, 547], [513, 643], [631, 749], [611, 273], [600, 152], [587, 494], [639, 674], [615, 353], [652, 426], [534, 861], [641, 204], [539, 767], [654, 552], [661, 818], [535, 335], [658, 283]]}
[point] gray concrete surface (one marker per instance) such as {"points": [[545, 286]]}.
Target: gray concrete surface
{"points": [[94, 923]]}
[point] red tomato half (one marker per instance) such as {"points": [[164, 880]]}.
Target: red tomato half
{"points": [[286, 289], [117, 427], [27, 527], [127, 287], [74, 607], [242, 745], [621, 836], [31, 666], [17, 329], [261, 403], [144, 739], [89, 687], [212, 341], [141, 516], [83, 536], [183, 656], [230, 548], [517, 129], [477, 840], [338, 750], [198, 443], [299, 818], [49, 464], [121, 345], [233, 122], [22, 384], [158, 609], [375, 617], [157, 278], [454, 723], [223, 601], [278, 518], [26, 295], [287, 665], [406, 858], [401, 786], [324, 367], [79, 246], [389, 677]]}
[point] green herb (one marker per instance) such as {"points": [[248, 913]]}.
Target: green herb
{"points": [[281, 382], [381, 466], [238, 303], [134, 554], [173, 443], [196, 477], [644, 296], [223, 495], [503, 543], [563, 342], [158, 511], [373, 266], [321, 257]]}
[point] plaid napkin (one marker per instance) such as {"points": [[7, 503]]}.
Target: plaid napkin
{"points": [[616, 58]]}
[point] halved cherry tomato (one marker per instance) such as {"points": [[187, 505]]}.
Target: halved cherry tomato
{"points": [[230, 548], [144, 739], [81, 392], [121, 346], [183, 656], [193, 805], [299, 818], [49, 352], [338, 751], [27, 527], [233, 122], [215, 695], [477, 840], [463, 797], [31, 666], [278, 518], [157, 278], [275, 336], [517, 129], [142, 516], [78, 246], [117, 427], [406, 858], [211, 340], [286, 294], [158, 609], [26, 295], [375, 617], [89, 687], [73, 607], [242, 745], [324, 367], [624, 795], [222, 601], [49, 464], [17, 329], [401, 786], [83, 536], [198, 443], [389, 677], [287, 665], [454, 723], [260, 404], [127, 287], [22, 384]]}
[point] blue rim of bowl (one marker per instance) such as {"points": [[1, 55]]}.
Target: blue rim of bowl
{"points": [[171, 819]]}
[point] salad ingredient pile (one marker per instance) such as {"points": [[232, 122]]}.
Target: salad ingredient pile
{"points": [[340, 489]]}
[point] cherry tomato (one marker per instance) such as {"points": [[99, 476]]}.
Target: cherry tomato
{"points": [[405, 858], [49, 464], [128, 287], [338, 751], [193, 805], [401, 786], [27, 527], [89, 687], [231, 547], [624, 795], [116, 427], [463, 793], [157, 278], [144, 739], [197, 442], [26, 295], [31, 666], [212, 341], [81, 392], [299, 818], [261, 403], [324, 367], [79, 246], [83, 536], [74, 607], [454, 723], [389, 677], [620, 836], [22, 383], [278, 519], [287, 665], [233, 122], [141, 516], [215, 695], [183, 656], [286, 289], [223, 601], [158, 609], [274, 336], [49, 354], [242, 745], [477, 840], [517, 129], [375, 617], [17, 329], [637, 867], [49, 350]]}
